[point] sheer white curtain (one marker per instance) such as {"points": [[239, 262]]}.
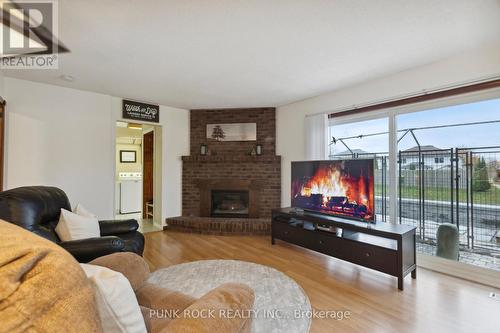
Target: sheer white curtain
{"points": [[316, 137]]}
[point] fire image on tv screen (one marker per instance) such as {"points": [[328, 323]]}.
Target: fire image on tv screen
{"points": [[343, 188]]}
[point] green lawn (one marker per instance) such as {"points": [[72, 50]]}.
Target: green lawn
{"points": [[489, 197]]}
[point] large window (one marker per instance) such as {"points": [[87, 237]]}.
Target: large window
{"points": [[448, 170], [365, 139]]}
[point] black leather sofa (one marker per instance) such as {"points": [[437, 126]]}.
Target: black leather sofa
{"points": [[37, 208]]}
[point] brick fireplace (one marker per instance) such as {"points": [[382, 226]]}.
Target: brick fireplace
{"points": [[230, 167]]}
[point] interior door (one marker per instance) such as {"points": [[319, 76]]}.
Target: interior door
{"points": [[147, 172], [2, 140]]}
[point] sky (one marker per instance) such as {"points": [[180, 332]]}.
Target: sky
{"points": [[463, 136]]}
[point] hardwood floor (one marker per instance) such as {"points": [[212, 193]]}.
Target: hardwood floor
{"points": [[432, 303]]}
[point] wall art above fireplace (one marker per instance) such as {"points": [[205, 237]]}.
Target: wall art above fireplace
{"points": [[232, 132]]}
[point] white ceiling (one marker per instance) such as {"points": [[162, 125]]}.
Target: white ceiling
{"points": [[230, 53]]}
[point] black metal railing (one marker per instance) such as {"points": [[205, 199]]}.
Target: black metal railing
{"points": [[458, 185], [380, 179], [478, 204]]}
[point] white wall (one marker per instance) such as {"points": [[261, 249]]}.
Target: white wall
{"points": [[290, 118], [57, 136], [175, 144], [66, 138]]}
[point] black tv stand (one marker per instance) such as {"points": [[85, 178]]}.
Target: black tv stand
{"points": [[385, 247]]}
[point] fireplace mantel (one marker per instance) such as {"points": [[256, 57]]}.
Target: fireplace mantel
{"points": [[231, 158], [207, 185]]}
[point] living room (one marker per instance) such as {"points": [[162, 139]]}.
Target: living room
{"points": [[300, 171]]}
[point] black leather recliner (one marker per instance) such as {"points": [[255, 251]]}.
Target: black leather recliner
{"points": [[37, 208]]}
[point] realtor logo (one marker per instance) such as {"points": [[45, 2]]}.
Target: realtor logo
{"points": [[28, 35]]}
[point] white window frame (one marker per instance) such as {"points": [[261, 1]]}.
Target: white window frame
{"points": [[459, 269], [392, 114]]}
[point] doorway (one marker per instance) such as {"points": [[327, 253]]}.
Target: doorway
{"points": [[135, 167]]}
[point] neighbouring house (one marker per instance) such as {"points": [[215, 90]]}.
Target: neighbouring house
{"points": [[433, 158], [353, 153]]}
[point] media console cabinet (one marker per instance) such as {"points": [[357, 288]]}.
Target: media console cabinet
{"points": [[385, 247]]}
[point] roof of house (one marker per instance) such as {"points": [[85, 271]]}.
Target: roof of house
{"points": [[423, 148], [354, 151]]}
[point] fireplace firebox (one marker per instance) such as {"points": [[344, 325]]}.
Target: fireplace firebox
{"points": [[230, 203], [229, 198]]}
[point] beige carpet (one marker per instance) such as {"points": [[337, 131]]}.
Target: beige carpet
{"points": [[279, 300]]}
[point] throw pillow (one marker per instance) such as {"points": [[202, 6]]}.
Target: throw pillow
{"points": [[82, 211], [72, 226], [116, 301]]}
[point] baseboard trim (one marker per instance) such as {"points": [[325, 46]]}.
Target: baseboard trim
{"points": [[461, 270]]}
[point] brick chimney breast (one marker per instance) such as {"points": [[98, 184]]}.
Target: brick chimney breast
{"points": [[232, 161]]}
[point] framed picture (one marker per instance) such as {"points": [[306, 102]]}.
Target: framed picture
{"points": [[232, 132], [128, 156]]}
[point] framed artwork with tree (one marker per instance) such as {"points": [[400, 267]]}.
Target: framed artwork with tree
{"points": [[232, 132]]}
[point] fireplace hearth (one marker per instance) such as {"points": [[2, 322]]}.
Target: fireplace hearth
{"points": [[229, 203]]}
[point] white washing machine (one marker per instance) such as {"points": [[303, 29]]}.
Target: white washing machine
{"points": [[130, 192]]}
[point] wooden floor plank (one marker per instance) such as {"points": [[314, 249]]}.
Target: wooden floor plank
{"points": [[433, 303]]}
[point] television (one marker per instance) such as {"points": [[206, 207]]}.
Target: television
{"points": [[337, 187]]}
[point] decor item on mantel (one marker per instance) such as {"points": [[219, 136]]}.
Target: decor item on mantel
{"points": [[258, 149], [203, 149], [232, 132]]}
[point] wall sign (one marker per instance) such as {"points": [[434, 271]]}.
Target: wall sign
{"points": [[141, 111]]}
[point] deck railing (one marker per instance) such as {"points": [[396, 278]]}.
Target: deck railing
{"points": [[458, 185]]}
